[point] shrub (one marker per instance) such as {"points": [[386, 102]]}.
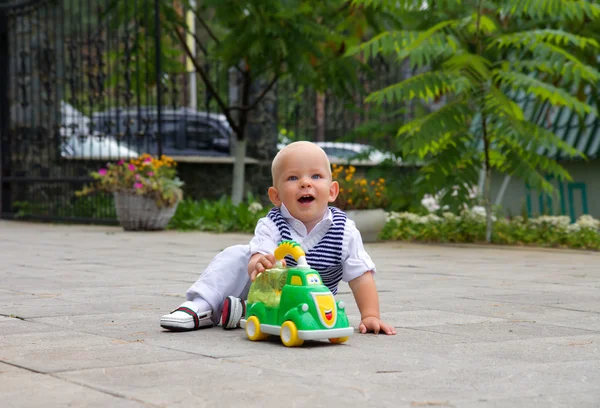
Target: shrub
{"points": [[218, 216], [469, 227]]}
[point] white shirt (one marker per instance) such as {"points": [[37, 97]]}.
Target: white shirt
{"points": [[355, 260]]}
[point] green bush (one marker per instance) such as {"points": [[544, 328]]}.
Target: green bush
{"points": [[218, 216], [469, 227], [98, 207]]}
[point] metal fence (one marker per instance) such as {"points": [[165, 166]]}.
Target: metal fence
{"points": [[86, 82], [78, 88]]}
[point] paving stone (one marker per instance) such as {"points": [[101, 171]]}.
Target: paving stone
{"points": [[477, 326], [22, 388], [56, 351]]}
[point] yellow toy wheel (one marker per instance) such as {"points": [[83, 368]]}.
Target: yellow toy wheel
{"points": [[339, 340], [253, 329], [289, 335]]}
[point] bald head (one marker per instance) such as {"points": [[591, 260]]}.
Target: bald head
{"points": [[306, 150]]}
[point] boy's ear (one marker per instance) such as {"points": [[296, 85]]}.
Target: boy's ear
{"points": [[274, 196], [334, 190]]}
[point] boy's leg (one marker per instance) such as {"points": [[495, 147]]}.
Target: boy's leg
{"points": [[227, 274]]}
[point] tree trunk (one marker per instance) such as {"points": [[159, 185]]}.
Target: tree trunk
{"points": [[488, 205], [486, 141], [239, 143], [239, 171], [320, 116], [487, 184]]}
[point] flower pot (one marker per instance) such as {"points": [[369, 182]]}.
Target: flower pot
{"points": [[139, 213], [369, 222]]}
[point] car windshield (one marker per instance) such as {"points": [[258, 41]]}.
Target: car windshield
{"points": [[267, 287]]}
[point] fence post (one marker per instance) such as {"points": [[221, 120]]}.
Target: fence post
{"points": [[4, 111], [158, 77]]}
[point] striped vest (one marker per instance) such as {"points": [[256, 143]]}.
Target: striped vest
{"points": [[326, 256]]}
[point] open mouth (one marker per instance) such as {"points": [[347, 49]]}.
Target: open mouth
{"points": [[328, 314], [306, 199]]}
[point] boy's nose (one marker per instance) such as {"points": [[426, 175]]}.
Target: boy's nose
{"points": [[305, 182]]}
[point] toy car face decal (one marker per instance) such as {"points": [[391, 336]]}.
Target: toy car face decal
{"points": [[325, 308], [313, 279]]}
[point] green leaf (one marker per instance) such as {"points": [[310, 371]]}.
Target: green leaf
{"points": [[427, 86], [531, 39], [543, 91]]}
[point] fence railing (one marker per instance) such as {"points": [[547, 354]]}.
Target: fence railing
{"points": [[83, 83]]}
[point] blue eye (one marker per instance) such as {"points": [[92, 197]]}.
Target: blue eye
{"points": [[292, 178], [316, 176]]}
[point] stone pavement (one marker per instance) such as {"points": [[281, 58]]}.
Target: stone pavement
{"points": [[477, 327]]}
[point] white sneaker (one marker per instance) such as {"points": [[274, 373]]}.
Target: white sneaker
{"points": [[186, 318], [233, 310]]}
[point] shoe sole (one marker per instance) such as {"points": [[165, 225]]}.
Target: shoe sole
{"points": [[179, 326], [176, 328], [230, 308]]}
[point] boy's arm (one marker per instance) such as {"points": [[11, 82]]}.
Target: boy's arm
{"points": [[366, 296], [262, 246]]}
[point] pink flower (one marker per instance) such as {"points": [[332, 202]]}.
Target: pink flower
{"points": [[132, 167], [147, 159], [138, 185], [137, 176], [102, 172], [150, 173], [120, 162]]}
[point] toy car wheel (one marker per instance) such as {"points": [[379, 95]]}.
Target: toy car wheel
{"points": [[338, 340], [253, 329], [289, 334]]}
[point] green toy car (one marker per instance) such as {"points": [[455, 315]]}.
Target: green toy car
{"points": [[293, 303]]}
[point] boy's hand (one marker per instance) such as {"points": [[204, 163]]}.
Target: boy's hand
{"points": [[373, 324], [259, 263]]}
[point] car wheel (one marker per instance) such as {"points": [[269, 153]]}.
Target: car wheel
{"points": [[253, 329], [289, 335], [339, 340]]}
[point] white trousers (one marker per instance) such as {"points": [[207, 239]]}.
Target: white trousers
{"points": [[226, 275]]}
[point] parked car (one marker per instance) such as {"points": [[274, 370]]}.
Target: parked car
{"points": [[79, 143], [185, 132], [340, 153]]}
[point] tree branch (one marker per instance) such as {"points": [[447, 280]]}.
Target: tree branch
{"points": [[258, 98], [211, 35], [206, 27], [226, 110]]}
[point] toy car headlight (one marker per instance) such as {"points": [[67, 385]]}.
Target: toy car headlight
{"points": [[304, 307], [341, 304]]}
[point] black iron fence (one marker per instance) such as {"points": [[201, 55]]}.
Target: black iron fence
{"points": [[79, 87], [86, 82]]}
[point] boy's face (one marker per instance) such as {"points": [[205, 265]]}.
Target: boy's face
{"points": [[302, 181]]}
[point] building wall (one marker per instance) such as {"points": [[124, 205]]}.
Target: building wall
{"points": [[574, 198]]}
